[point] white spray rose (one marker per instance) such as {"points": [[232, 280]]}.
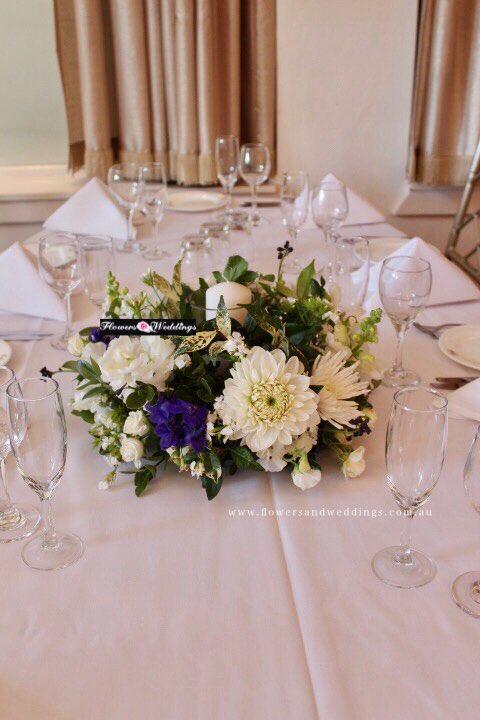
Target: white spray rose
{"points": [[354, 465], [131, 450], [76, 345], [135, 424], [304, 476], [79, 403]]}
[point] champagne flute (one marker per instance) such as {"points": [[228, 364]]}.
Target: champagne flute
{"points": [[16, 521], [466, 588], [38, 438], [415, 451], [404, 285], [294, 196], [154, 200], [255, 169], [97, 262], [329, 211], [125, 184], [227, 162], [60, 266]]}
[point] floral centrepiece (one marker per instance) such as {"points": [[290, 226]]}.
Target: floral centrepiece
{"points": [[289, 383]]}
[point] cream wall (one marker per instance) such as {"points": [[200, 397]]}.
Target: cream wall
{"points": [[345, 78]]}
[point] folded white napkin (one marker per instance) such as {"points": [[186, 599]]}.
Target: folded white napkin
{"points": [[449, 283], [90, 211], [360, 211], [22, 290], [464, 403]]}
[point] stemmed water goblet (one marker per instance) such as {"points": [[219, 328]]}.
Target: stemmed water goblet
{"points": [[97, 261], [126, 185], [404, 285], [255, 169], [154, 201], [294, 197], [329, 211], [38, 438], [227, 160], [351, 273], [60, 266], [466, 587], [17, 521], [415, 451]]}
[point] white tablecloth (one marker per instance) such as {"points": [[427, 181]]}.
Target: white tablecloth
{"points": [[241, 608]]}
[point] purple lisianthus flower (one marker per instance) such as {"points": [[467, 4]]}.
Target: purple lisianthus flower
{"points": [[96, 335], [179, 423]]}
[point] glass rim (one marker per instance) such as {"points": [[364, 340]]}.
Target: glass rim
{"points": [[406, 257], [84, 239], [20, 381], [354, 238], [120, 165], [420, 388], [11, 378], [254, 145], [50, 236]]}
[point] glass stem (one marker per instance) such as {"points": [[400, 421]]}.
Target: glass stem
{"points": [[254, 202], [330, 250], [229, 198], [49, 535], [130, 224], [405, 537], [398, 366], [156, 234], [68, 315], [6, 506]]}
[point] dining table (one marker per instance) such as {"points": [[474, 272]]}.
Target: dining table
{"points": [[260, 604]]}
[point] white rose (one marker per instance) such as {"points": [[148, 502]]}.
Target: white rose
{"points": [[354, 465], [111, 460], [131, 450], [75, 345], [78, 403], [306, 480], [103, 416], [135, 424]]}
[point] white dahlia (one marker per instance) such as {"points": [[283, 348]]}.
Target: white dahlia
{"points": [[339, 384], [267, 400]]}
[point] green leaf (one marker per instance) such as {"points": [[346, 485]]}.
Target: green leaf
{"points": [[244, 458], [216, 348], [196, 342], [247, 277], [205, 391], [136, 400], [224, 324], [235, 267], [70, 366], [86, 371], [304, 280], [218, 276], [177, 278], [94, 391], [211, 487], [86, 415], [95, 366]]}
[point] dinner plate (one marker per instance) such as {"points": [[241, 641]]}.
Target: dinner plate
{"points": [[462, 344], [382, 247], [5, 352], [193, 201]]}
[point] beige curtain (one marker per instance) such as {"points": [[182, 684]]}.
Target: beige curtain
{"points": [[161, 79], [446, 109]]}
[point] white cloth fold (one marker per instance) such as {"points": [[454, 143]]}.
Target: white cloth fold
{"points": [[464, 403], [449, 283], [22, 290], [90, 211]]}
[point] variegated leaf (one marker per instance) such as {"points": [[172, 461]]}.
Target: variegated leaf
{"points": [[194, 343], [224, 323], [164, 287], [172, 309], [177, 278], [216, 348]]}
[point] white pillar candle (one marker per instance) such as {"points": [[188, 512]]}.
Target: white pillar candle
{"points": [[234, 295]]}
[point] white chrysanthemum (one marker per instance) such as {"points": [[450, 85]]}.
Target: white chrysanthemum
{"points": [[339, 384], [129, 359], [267, 400]]}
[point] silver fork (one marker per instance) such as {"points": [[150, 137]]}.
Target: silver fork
{"points": [[434, 330]]}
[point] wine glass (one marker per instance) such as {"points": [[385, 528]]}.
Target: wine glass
{"points": [[154, 200], [16, 521], [329, 211], [38, 438], [294, 196], [218, 234], [405, 284], [60, 266], [197, 258], [227, 161], [415, 451], [466, 588], [97, 262], [255, 169], [125, 183], [351, 272]]}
